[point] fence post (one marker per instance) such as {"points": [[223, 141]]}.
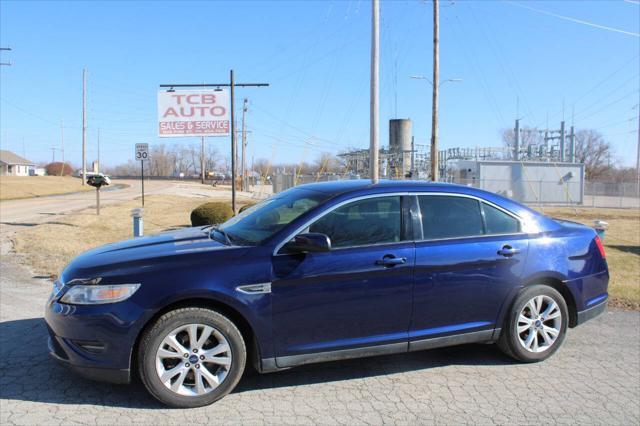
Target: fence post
{"points": [[622, 194], [593, 194], [540, 193]]}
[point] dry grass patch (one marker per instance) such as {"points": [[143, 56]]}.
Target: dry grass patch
{"points": [[47, 248], [14, 187], [622, 244]]}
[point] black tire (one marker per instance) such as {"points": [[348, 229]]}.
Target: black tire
{"points": [[168, 322], [509, 341]]}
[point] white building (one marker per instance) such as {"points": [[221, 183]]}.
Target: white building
{"points": [[14, 165], [524, 181]]}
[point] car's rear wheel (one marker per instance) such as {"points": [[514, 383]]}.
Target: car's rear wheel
{"points": [[191, 357], [536, 324]]}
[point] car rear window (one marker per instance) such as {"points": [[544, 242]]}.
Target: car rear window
{"points": [[446, 216], [449, 216], [498, 222]]}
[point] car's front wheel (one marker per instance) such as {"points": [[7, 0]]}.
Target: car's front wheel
{"points": [[536, 324], [191, 357]]}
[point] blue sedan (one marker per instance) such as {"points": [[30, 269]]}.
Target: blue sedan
{"points": [[323, 272]]}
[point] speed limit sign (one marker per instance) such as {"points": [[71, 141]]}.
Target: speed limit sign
{"points": [[142, 151]]}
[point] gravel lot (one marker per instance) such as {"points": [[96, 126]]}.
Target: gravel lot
{"points": [[594, 379]]}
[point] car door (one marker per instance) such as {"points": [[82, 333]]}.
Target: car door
{"points": [[471, 255], [356, 295]]}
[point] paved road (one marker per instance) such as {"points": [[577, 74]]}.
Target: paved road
{"points": [[594, 379], [41, 209], [17, 214]]}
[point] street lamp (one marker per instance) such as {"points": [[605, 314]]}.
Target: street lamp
{"points": [[422, 77], [434, 109]]}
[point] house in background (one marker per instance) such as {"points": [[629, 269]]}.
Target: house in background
{"points": [[14, 165], [37, 171]]}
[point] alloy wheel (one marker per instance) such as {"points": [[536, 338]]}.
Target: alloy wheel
{"points": [[539, 324], [193, 359]]}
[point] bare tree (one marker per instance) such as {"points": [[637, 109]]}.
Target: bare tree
{"points": [[210, 158], [594, 152], [225, 165], [262, 166], [130, 168], [528, 136], [328, 163]]}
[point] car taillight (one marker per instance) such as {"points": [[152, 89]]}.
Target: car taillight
{"points": [[600, 247]]}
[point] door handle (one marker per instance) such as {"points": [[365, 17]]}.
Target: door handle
{"points": [[390, 260], [508, 251]]}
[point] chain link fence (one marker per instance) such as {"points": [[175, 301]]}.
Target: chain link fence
{"points": [[557, 192], [612, 194], [535, 192]]}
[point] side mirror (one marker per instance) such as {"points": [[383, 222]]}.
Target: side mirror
{"points": [[312, 242]]}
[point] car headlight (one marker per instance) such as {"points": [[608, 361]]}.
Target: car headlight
{"points": [[98, 294]]}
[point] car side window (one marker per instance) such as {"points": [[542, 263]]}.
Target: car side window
{"points": [[498, 222], [364, 222], [445, 216]]}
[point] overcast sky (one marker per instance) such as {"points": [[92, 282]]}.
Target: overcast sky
{"points": [[519, 58]]}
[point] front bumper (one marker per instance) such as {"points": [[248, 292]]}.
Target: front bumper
{"points": [[95, 341], [109, 375]]}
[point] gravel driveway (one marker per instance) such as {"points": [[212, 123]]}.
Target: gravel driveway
{"points": [[595, 378]]}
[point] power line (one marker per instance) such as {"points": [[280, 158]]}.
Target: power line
{"points": [[600, 83], [287, 124], [609, 104], [503, 61], [575, 20], [6, 64], [605, 96], [628, 120], [472, 59]]}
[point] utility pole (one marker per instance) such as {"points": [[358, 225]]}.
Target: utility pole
{"points": [[62, 146], [638, 155], [53, 154], [375, 91], [234, 148], [436, 87], [99, 165], [84, 126], [243, 165], [202, 160], [562, 149], [232, 85], [413, 157], [516, 141]]}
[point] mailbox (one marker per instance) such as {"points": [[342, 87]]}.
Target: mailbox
{"points": [[98, 180]]}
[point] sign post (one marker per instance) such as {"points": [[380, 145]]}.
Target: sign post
{"points": [[196, 113], [142, 154], [97, 180]]}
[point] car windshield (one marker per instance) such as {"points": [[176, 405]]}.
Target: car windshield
{"points": [[259, 222]]}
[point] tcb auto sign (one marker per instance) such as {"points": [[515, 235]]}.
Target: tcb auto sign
{"points": [[193, 113]]}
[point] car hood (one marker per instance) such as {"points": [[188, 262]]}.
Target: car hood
{"points": [[134, 255]]}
